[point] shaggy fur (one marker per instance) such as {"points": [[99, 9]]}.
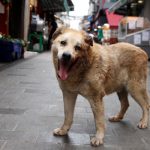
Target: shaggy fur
{"points": [[94, 71]]}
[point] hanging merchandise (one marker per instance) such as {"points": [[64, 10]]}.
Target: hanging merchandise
{"points": [[66, 7], [100, 34], [106, 34]]}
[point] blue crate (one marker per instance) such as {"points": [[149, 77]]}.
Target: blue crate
{"points": [[6, 54], [10, 51], [17, 48]]}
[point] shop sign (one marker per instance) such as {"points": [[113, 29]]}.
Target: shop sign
{"points": [[137, 39], [140, 22], [145, 36], [132, 24]]}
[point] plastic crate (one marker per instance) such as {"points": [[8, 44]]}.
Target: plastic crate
{"points": [[10, 51], [17, 49], [36, 42]]}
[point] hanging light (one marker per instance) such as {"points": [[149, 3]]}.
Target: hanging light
{"points": [[140, 1]]}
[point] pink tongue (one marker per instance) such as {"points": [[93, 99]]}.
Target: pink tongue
{"points": [[62, 72]]}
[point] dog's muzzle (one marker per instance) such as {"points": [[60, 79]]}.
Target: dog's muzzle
{"points": [[65, 64], [66, 57]]}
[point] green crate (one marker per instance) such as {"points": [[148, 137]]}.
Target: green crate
{"points": [[36, 42]]}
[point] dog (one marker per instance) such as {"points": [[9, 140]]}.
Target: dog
{"points": [[93, 71]]}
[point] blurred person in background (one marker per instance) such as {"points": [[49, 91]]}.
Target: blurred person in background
{"points": [[52, 26]]}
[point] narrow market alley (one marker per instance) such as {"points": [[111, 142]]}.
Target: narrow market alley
{"points": [[31, 102], [31, 106]]}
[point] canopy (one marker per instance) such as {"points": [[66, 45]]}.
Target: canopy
{"points": [[117, 5], [56, 5], [113, 19]]}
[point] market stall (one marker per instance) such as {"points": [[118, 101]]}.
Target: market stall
{"points": [[135, 30]]}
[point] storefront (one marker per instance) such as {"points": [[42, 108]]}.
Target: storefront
{"points": [[42, 14], [14, 23], [4, 17], [135, 30]]}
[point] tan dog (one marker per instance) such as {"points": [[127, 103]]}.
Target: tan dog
{"points": [[89, 69]]}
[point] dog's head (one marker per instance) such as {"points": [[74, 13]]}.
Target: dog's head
{"points": [[70, 50]]}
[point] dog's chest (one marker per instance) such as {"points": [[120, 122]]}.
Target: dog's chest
{"points": [[88, 89]]}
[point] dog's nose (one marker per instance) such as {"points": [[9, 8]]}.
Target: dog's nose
{"points": [[66, 56]]}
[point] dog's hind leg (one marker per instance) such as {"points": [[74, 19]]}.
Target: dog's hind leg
{"points": [[139, 93], [123, 97]]}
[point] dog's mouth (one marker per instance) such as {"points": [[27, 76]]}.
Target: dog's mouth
{"points": [[65, 67]]}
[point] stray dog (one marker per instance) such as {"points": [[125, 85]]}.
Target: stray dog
{"points": [[93, 71]]}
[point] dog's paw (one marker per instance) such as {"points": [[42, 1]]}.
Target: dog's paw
{"points": [[115, 118], [142, 125], [96, 141], [60, 132]]}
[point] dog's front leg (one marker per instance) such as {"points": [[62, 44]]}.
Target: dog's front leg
{"points": [[98, 111], [69, 104]]}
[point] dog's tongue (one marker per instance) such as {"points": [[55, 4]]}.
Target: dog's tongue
{"points": [[63, 72]]}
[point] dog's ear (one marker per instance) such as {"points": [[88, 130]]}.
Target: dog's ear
{"points": [[58, 32], [89, 39]]}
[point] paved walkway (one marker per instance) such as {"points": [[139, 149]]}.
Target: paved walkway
{"points": [[31, 107]]}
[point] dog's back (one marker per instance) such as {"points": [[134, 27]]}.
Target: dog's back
{"points": [[118, 64]]}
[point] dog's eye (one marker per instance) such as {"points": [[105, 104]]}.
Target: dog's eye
{"points": [[77, 48], [63, 43]]}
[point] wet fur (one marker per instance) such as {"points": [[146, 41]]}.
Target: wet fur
{"points": [[102, 70]]}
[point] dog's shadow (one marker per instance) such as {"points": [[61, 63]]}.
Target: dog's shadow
{"points": [[64, 139], [73, 139]]}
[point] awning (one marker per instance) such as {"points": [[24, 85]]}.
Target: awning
{"points": [[108, 4], [113, 19], [117, 5], [56, 5]]}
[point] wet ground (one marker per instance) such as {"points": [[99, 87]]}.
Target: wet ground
{"points": [[31, 107]]}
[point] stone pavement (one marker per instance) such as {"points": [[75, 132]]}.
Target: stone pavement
{"points": [[31, 107]]}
